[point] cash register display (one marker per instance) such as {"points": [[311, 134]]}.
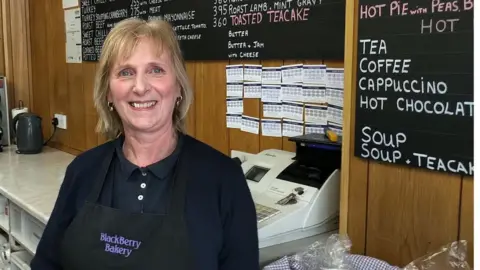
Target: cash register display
{"points": [[256, 173]]}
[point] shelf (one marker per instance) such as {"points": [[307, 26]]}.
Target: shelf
{"points": [[22, 228], [4, 223], [24, 242], [21, 260], [4, 211], [25, 228]]}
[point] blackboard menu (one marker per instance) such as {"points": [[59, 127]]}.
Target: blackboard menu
{"points": [[414, 101], [229, 29]]}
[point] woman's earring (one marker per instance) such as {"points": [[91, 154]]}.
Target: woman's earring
{"points": [[110, 106], [179, 99]]}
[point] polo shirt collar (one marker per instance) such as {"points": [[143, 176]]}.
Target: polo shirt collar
{"points": [[160, 169]]}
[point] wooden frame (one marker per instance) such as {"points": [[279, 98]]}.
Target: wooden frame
{"points": [[349, 108]]}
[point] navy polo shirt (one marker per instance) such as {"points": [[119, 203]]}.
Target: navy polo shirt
{"points": [[139, 189], [219, 209]]}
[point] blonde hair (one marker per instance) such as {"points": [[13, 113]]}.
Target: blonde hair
{"points": [[120, 42]]}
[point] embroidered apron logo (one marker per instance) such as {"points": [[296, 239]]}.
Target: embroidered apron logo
{"points": [[119, 245]]}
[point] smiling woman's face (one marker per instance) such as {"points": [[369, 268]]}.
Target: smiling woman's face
{"points": [[144, 89]]}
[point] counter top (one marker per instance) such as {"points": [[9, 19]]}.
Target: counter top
{"points": [[33, 181]]}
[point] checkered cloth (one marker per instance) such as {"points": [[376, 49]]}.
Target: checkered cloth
{"points": [[355, 262], [285, 263], [359, 262]]}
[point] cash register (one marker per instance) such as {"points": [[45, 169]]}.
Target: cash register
{"points": [[296, 195]]}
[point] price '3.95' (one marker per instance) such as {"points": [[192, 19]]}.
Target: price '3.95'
{"points": [[220, 10]]}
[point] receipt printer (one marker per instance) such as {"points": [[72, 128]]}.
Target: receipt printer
{"points": [[296, 195]]}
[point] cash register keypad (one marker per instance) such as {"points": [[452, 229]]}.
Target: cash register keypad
{"points": [[265, 212]]}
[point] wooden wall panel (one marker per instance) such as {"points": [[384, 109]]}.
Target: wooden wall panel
{"points": [[20, 50], [210, 105], [354, 173], [16, 50], [2, 40], [410, 212], [38, 37], [355, 214], [6, 39], [58, 87], [191, 123], [466, 216], [88, 75], [76, 105], [7, 50]]}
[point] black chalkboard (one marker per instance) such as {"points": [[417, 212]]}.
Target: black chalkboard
{"points": [[414, 101], [229, 29]]}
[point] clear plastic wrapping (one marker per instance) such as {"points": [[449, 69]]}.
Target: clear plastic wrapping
{"points": [[331, 254], [447, 257], [334, 254]]}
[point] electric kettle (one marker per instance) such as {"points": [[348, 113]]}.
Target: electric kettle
{"points": [[27, 131]]}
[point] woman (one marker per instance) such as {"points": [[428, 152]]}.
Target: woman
{"points": [[152, 197]]}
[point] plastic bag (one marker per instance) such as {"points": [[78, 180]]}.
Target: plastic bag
{"points": [[331, 254], [334, 254], [450, 256]]}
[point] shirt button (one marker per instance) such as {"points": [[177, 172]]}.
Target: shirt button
{"points": [[140, 197], [143, 185], [144, 173]]}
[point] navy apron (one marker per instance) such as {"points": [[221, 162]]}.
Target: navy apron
{"points": [[102, 237]]}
